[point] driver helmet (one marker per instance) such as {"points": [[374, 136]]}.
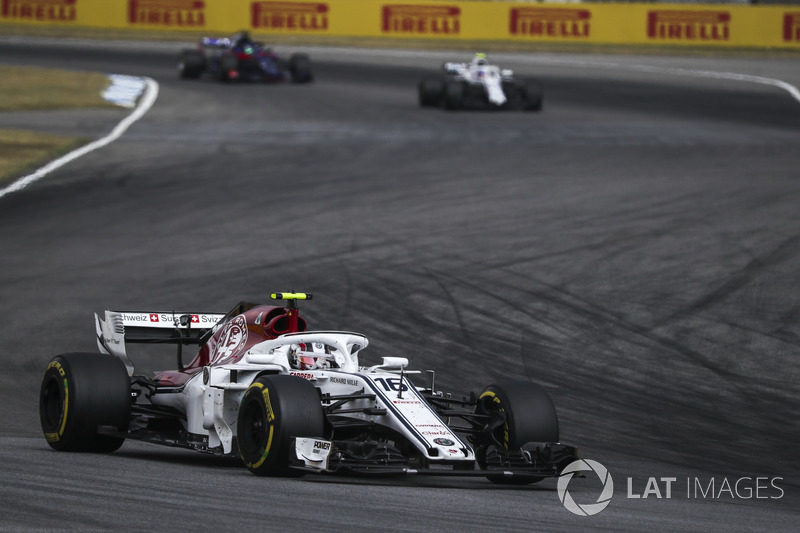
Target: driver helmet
{"points": [[480, 59], [241, 39], [307, 361]]}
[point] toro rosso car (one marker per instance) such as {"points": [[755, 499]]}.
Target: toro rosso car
{"points": [[289, 401], [479, 85], [241, 58]]}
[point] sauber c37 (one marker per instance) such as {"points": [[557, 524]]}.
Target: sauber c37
{"points": [[289, 401]]}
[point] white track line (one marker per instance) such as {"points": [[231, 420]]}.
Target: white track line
{"points": [[146, 102], [565, 62], [788, 87]]}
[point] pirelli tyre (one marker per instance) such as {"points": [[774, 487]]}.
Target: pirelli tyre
{"points": [[430, 92], [520, 412], [80, 393], [228, 67], [191, 64], [274, 409], [532, 96], [453, 94], [300, 68]]}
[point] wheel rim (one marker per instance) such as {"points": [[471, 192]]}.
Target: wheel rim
{"points": [[253, 433], [52, 405]]}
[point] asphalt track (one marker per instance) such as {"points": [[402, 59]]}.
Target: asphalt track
{"points": [[634, 247]]}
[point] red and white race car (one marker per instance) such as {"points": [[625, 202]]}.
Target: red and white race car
{"points": [[289, 401]]}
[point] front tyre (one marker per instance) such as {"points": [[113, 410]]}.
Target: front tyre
{"points": [[532, 96], [79, 393], [191, 64], [228, 67], [520, 412], [300, 68], [275, 409]]}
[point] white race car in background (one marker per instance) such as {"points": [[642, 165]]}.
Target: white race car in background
{"points": [[479, 85], [289, 401]]}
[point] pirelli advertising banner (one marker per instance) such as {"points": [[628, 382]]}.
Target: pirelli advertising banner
{"points": [[636, 24]]}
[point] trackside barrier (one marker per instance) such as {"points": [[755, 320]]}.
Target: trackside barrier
{"points": [[712, 25]]}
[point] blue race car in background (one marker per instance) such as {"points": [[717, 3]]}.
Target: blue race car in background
{"points": [[240, 58]]}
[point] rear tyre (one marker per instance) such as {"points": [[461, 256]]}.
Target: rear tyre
{"points": [[300, 68], [275, 409], [228, 67], [430, 92], [81, 391], [453, 95], [191, 64], [526, 414]]}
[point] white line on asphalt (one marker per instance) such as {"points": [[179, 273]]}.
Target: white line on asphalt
{"points": [[146, 102], [553, 60], [788, 87]]}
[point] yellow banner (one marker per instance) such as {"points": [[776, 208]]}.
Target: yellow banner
{"points": [[713, 25]]}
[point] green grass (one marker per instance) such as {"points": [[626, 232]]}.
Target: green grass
{"points": [[22, 150], [25, 88], [30, 88]]}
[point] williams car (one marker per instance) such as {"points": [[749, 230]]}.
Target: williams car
{"points": [[479, 85]]}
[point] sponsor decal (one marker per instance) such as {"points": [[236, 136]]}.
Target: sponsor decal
{"points": [[304, 375], [549, 22], [164, 320], [39, 10], [172, 13], [290, 16], [791, 27], [443, 442], [129, 318], [689, 25], [344, 381], [232, 339], [209, 319], [435, 20]]}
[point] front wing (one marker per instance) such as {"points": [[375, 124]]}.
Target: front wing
{"points": [[534, 461]]}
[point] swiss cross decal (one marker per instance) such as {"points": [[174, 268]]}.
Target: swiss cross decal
{"points": [[153, 317], [195, 319]]}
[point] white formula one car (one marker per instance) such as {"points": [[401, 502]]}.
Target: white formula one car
{"points": [[289, 401], [479, 85]]}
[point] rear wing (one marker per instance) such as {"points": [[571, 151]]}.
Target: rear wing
{"points": [[118, 328]]}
